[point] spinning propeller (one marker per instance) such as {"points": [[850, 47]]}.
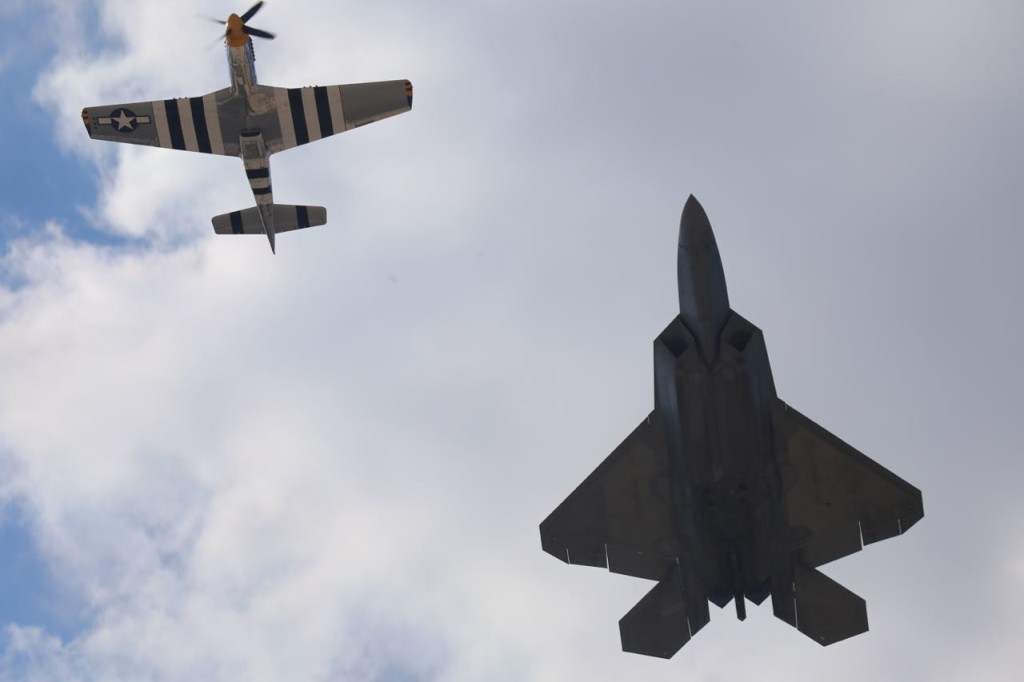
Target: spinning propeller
{"points": [[237, 28]]}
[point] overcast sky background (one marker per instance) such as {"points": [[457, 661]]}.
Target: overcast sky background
{"points": [[330, 464]]}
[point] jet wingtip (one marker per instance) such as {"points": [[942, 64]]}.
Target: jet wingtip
{"points": [[551, 545]]}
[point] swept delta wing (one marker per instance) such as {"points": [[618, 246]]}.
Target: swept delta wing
{"points": [[837, 499], [621, 518]]}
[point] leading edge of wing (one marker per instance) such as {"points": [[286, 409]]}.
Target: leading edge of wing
{"points": [[620, 516]]}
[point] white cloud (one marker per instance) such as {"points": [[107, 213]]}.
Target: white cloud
{"points": [[331, 463]]}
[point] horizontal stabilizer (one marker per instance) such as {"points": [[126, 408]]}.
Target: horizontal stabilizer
{"points": [[286, 218], [660, 623], [826, 611]]}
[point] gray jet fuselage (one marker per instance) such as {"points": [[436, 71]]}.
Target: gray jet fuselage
{"points": [[715, 408]]}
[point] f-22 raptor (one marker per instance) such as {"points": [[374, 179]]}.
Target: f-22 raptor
{"points": [[724, 492], [251, 121]]}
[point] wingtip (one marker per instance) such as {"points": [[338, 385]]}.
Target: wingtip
{"points": [[551, 545]]}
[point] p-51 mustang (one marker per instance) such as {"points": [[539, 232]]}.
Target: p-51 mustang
{"points": [[251, 121]]}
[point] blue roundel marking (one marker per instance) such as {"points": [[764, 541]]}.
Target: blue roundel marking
{"points": [[124, 120]]}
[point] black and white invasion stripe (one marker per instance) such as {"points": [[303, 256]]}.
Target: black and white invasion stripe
{"points": [[189, 123], [309, 114]]}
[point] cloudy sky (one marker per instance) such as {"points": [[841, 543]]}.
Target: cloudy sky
{"points": [[330, 464]]}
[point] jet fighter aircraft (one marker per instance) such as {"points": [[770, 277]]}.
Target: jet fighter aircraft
{"points": [[251, 121], [724, 492]]}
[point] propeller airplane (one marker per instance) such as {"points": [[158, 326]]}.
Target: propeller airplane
{"points": [[251, 121]]}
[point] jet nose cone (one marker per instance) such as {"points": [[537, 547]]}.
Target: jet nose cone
{"points": [[703, 299], [694, 227]]}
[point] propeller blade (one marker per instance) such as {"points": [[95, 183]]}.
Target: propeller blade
{"points": [[257, 32], [216, 21], [249, 13]]}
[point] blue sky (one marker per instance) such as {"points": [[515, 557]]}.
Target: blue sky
{"points": [[45, 183], [31, 594], [49, 182], [331, 463]]}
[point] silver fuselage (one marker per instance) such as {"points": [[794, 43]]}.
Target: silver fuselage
{"points": [[252, 148]]}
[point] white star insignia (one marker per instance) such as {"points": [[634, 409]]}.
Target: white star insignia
{"points": [[124, 121]]}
